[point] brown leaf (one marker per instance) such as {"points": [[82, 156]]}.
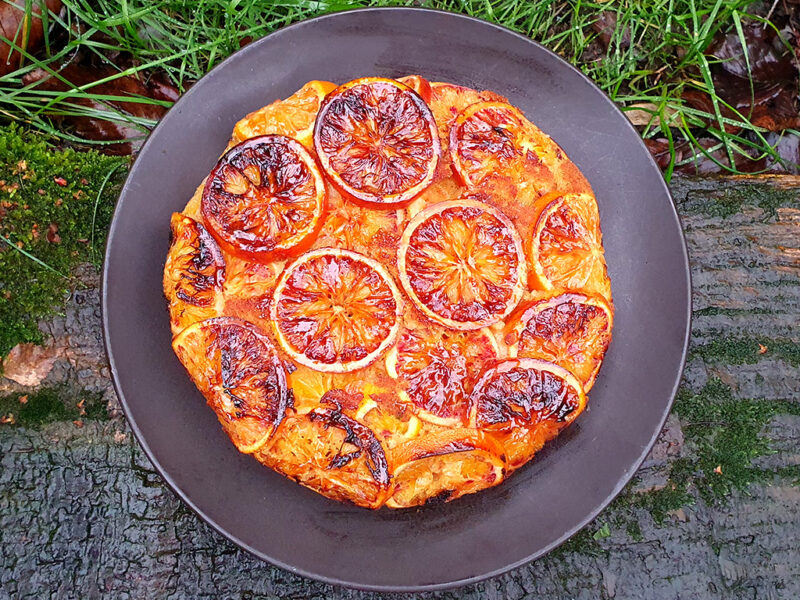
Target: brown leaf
{"points": [[80, 73], [700, 164], [29, 364], [771, 101], [26, 33]]}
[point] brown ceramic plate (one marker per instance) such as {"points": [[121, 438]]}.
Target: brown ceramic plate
{"points": [[477, 536]]}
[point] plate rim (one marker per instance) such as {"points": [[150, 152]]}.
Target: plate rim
{"points": [[583, 522]]}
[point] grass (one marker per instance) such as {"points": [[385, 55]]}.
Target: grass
{"points": [[654, 54]]}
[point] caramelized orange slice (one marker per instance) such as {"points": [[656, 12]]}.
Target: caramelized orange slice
{"points": [[571, 330], [566, 247], [490, 138], [333, 454], [237, 369], [377, 140], [444, 466], [435, 370], [293, 117], [523, 392], [265, 197], [448, 100], [387, 418], [462, 264], [335, 310], [193, 274], [520, 444], [419, 84]]}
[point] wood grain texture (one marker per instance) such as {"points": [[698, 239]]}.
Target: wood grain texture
{"points": [[83, 514]]}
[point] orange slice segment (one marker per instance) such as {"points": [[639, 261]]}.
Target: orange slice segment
{"points": [[239, 372], [444, 466], [566, 247], [462, 264], [523, 392], [377, 141], [419, 84], [448, 100], [490, 138], [293, 117], [520, 444], [335, 310], [193, 274], [265, 197], [571, 330], [333, 454], [435, 368]]}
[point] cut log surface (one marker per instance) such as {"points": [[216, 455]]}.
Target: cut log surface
{"points": [[84, 515]]}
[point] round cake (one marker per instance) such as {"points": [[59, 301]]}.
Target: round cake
{"points": [[391, 291]]}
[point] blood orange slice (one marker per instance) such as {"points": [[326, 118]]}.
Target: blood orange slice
{"points": [[462, 264], [193, 274], [377, 141], [419, 84], [524, 392], [566, 247], [237, 369], [490, 138], [335, 310], [333, 454], [571, 330], [435, 368], [448, 100], [444, 466], [293, 117], [265, 197]]}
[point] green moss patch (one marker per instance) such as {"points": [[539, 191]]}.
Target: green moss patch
{"points": [[733, 199], [748, 350], [725, 435], [51, 405], [55, 208]]}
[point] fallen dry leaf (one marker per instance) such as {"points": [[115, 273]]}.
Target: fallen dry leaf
{"points": [[81, 72], [26, 33], [771, 101], [29, 364], [641, 114]]}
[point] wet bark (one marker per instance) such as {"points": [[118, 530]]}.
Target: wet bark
{"points": [[83, 514]]}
